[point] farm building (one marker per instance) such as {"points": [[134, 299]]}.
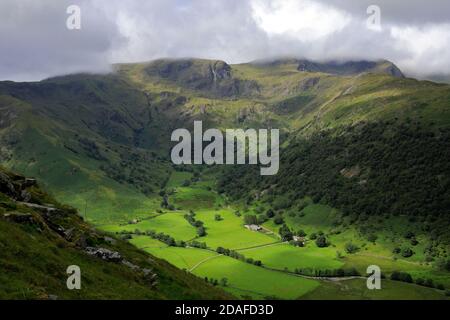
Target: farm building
{"points": [[253, 227], [299, 239]]}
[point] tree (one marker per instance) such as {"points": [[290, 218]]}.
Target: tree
{"points": [[409, 235], [401, 276], [250, 219], [301, 233], [407, 252], [313, 236], [420, 281], [278, 219], [351, 248], [270, 213], [224, 282], [443, 264], [201, 231], [285, 233], [372, 237], [322, 241], [261, 219]]}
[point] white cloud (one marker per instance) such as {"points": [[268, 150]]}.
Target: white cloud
{"points": [[428, 48], [34, 42], [303, 19]]}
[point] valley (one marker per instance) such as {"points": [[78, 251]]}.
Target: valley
{"points": [[364, 175], [281, 261]]}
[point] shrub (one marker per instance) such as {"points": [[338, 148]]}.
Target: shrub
{"points": [[270, 213], [429, 283], [201, 231], [401, 276], [407, 252], [351, 248], [322, 242], [420, 281], [372, 237], [278, 220], [409, 235]]}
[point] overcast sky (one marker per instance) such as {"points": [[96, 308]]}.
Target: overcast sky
{"points": [[35, 42]]}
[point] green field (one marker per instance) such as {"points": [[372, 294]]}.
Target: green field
{"points": [[230, 232], [194, 198], [357, 290], [172, 223], [254, 281], [280, 260], [283, 256], [183, 258]]}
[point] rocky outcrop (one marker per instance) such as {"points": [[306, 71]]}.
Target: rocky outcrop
{"points": [[350, 67], [15, 186], [104, 254], [212, 78]]}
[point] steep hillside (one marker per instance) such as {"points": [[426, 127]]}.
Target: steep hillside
{"points": [[101, 142], [40, 239], [364, 178]]}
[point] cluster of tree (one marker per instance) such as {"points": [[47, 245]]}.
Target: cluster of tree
{"points": [[406, 277], [341, 272], [320, 239], [372, 168], [197, 244], [236, 255], [165, 238], [405, 252], [165, 202], [223, 282], [138, 168], [254, 219], [190, 217], [443, 264], [285, 233]]}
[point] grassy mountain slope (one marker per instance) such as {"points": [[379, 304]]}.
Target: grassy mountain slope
{"points": [[40, 238], [357, 138]]}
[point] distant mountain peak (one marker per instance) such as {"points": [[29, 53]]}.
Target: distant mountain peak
{"points": [[345, 68]]}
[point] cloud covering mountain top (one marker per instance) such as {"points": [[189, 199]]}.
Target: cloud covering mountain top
{"points": [[35, 42]]}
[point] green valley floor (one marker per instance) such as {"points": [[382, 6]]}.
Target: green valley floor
{"points": [[260, 264]]}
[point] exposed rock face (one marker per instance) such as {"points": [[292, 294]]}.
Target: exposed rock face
{"points": [[104, 254], [19, 217], [14, 186], [309, 83], [211, 77], [6, 185]]}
